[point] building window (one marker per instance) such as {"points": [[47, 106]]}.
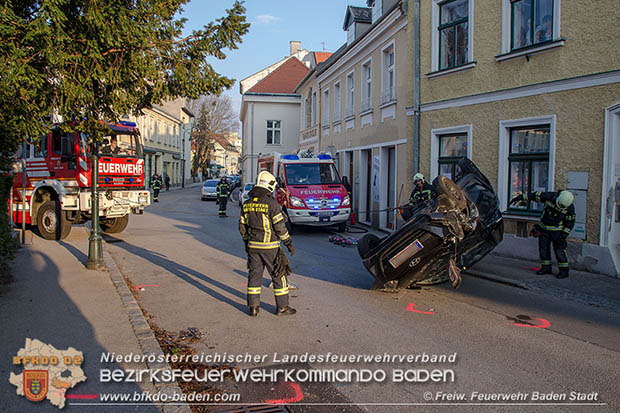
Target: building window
{"points": [[366, 87], [158, 131], [350, 95], [453, 33], [313, 109], [388, 75], [528, 163], [325, 114], [273, 132], [337, 102], [452, 148], [522, 14]]}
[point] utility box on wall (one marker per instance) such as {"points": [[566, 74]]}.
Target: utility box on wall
{"points": [[577, 183]]}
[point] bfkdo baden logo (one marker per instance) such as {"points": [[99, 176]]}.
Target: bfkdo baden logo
{"points": [[48, 372], [35, 384]]}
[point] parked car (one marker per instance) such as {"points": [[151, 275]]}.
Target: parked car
{"points": [[244, 193], [441, 238], [209, 189]]}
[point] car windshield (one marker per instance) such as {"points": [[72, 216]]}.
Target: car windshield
{"points": [[311, 174], [124, 145], [211, 183]]}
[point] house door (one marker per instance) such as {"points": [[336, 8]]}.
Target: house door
{"points": [[610, 234]]}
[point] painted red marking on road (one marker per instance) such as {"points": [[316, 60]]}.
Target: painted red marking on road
{"points": [[543, 324], [531, 268], [146, 285], [413, 310], [297, 397], [82, 396]]}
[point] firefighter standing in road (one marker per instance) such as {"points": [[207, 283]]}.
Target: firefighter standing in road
{"points": [[422, 190], [556, 223], [262, 227], [223, 191], [156, 187]]}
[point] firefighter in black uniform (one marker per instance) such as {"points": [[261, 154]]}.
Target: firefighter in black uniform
{"points": [[262, 227], [156, 187], [422, 190], [556, 223], [223, 191]]}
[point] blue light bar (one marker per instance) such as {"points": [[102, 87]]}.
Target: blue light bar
{"points": [[324, 156], [291, 157], [127, 123], [107, 180]]}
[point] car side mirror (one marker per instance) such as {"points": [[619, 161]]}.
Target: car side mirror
{"points": [[280, 182]]}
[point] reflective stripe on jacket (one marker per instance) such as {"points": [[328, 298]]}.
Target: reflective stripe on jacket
{"points": [[262, 223], [553, 217], [223, 189]]}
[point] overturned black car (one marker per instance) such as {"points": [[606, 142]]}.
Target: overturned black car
{"points": [[440, 238]]}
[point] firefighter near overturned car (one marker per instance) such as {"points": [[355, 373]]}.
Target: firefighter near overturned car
{"points": [[52, 185]]}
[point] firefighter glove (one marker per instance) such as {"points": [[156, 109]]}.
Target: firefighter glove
{"points": [[517, 199], [289, 246]]}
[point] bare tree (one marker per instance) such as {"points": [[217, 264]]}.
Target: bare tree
{"points": [[215, 117]]}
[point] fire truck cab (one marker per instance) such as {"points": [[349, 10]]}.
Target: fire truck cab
{"points": [[58, 181], [310, 190]]}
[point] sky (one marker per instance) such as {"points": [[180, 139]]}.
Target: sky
{"points": [[316, 23]]}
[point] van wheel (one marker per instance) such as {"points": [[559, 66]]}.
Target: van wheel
{"points": [[342, 227], [114, 225], [367, 243], [289, 227], [52, 222]]}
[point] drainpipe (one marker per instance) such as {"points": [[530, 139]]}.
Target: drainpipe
{"points": [[252, 143], [416, 86]]}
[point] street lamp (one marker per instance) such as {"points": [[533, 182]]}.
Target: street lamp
{"points": [[95, 247]]}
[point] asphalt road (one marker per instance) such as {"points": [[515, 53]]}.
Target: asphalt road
{"points": [[193, 264]]}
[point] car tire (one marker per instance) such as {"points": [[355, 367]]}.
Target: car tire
{"points": [[452, 195], [342, 227], [290, 227], [114, 225], [367, 243], [52, 222]]}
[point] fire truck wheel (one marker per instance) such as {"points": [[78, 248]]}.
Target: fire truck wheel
{"points": [[52, 222], [114, 225]]}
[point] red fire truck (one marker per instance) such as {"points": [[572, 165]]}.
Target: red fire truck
{"points": [[311, 192], [58, 180]]}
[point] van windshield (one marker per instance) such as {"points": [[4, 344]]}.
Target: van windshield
{"points": [[311, 174]]}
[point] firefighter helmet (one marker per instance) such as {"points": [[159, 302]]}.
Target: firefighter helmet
{"points": [[418, 177], [266, 180], [564, 199]]}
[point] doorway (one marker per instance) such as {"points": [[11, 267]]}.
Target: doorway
{"points": [[610, 205]]}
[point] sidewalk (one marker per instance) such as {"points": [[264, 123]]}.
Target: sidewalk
{"points": [[586, 287], [56, 300]]}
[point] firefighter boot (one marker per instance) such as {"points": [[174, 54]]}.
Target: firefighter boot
{"points": [[544, 270], [254, 311], [285, 311], [563, 273]]}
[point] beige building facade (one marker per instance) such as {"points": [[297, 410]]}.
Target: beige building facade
{"points": [[354, 106], [530, 91]]}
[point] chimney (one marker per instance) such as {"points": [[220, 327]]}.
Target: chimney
{"points": [[295, 46]]}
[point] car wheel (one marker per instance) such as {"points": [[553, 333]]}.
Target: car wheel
{"points": [[52, 222], [290, 227], [452, 195], [342, 227], [367, 243], [114, 225]]}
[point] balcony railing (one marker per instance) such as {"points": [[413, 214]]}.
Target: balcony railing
{"points": [[388, 96]]}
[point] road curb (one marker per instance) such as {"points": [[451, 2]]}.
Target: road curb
{"points": [[495, 278], [142, 331]]}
